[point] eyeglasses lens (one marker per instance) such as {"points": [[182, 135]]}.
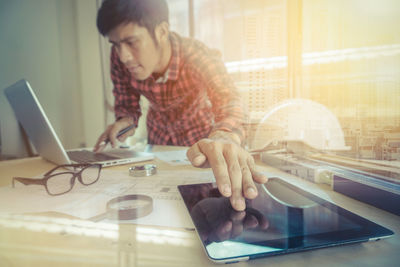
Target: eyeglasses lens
{"points": [[90, 174], [60, 183]]}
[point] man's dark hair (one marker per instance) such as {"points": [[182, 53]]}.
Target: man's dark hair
{"points": [[145, 13]]}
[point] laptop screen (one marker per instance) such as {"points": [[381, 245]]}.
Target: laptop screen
{"points": [[32, 117]]}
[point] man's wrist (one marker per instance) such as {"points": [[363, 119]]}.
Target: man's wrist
{"points": [[221, 134]]}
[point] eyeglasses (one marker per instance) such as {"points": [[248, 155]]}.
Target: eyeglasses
{"points": [[58, 182]]}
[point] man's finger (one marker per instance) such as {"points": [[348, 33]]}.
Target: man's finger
{"points": [[195, 156], [235, 175], [257, 176], [112, 136], [100, 144], [249, 189], [213, 152], [97, 147], [100, 147]]}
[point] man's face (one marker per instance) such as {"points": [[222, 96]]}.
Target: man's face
{"points": [[136, 49]]}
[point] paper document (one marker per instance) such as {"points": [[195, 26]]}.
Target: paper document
{"points": [[88, 201], [175, 157]]}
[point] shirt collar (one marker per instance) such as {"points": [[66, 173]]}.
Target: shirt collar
{"points": [[172, 71]]}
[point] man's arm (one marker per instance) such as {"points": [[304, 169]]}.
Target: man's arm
{"points": [[126, 105], [234, 168]]}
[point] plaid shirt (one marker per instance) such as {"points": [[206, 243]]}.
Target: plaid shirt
{"points": [[193, 98]]}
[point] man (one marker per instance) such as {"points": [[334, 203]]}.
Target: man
{"points": [[193, 102]]}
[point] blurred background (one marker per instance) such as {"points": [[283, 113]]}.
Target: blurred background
{"points": [[342, 54]]}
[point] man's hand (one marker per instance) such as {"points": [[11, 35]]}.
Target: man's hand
{"points": [[233, 167], [111, 134]]}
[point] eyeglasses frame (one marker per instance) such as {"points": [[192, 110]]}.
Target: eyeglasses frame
{"points": [[48, 175]]}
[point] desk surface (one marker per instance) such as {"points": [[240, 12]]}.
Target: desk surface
{"points": [[56, 240]]}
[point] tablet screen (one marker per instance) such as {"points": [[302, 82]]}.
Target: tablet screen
{"points": [[282, 219]]}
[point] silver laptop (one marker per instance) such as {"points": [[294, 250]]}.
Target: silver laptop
{"points": [[37, 126]]}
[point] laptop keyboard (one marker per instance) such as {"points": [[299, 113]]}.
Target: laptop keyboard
{"points": [[85, 156]]}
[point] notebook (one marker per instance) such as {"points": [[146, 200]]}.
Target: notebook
{"points": [[38, 128], [282, 219]]}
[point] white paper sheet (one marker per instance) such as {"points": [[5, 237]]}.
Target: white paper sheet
{"points": [[88, 201], [175, 157]]}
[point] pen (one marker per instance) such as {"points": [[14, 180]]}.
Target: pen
{"points": [[120, 133]]}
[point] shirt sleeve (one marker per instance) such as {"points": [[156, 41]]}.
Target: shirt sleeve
{"points": [[229, 111], [126, 98]]}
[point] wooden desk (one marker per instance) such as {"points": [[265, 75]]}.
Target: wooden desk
{"points": [[54, 240]]}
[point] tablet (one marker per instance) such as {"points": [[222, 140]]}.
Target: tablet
{"points": [[282, 219]]}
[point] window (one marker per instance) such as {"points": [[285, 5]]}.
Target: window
{"points": [[252, 36], [179, 16], [351, 64], [342, 54]]}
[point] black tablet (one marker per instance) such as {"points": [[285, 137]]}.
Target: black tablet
{"points": [[282, 219]]}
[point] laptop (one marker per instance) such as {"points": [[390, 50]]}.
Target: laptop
{"points": [[38, 128], [281, 219]]}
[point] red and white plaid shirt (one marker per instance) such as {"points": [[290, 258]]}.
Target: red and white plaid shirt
{"points": [[193, 98]]}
